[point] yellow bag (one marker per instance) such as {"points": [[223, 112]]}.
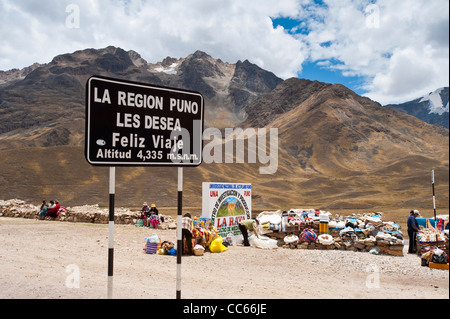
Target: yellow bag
{"points": [[217, 246]]}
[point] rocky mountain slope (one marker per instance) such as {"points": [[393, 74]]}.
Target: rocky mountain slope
{"points": [[432, 108], [46, 107], [332, 130], [336, 150]]}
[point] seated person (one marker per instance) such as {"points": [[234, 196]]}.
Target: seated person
{"points": [[144, 212], [153, 217], [145, 209], [43, 210], [53, 210], [153, 210]]}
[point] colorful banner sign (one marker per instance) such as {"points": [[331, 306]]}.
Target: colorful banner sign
{"points": [[227, 204]]}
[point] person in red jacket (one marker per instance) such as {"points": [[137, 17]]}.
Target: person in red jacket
{"points": [[53, 210]]}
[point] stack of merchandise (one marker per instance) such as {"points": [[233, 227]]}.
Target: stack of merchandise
{"points": [[433, 244], [152, 244], [316, 229]]}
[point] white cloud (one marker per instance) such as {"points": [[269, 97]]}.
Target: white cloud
{"points": [[400, 47], [411, 73], [231, 30]]}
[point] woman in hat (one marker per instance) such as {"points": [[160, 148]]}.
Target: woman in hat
{"points": [[153, 218], [153, 210], [144, 212]]}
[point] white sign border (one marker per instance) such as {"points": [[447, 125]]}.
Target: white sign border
{"points": [[142, 85]]}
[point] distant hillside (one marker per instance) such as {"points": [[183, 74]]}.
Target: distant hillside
{"points": [[333, 131], [336, 149]]}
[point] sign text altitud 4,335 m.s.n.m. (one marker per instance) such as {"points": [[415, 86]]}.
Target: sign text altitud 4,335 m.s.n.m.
{"points": [[135, 124]]}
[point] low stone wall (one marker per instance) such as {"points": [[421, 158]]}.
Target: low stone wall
{"points": [[382, 246], [81, 214]]}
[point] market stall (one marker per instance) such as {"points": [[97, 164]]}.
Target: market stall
{"points": [[316, 229], [433, 241], [204, 238]]}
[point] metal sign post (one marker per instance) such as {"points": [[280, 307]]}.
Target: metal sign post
{"points": [[136, 124], [112, 187], [179, 230], [434, 197]]}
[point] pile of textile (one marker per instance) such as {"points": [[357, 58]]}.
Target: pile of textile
{"points": [[204, 236], [274, 221], [303, 229]]}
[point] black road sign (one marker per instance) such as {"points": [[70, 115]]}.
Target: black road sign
{"points": [[135, 124]]}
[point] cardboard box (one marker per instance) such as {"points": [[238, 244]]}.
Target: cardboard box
{"points": [[438, 266]]}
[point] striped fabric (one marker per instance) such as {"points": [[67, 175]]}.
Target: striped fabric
{"points": [[323, 228], [151, 248], [308, 235]]}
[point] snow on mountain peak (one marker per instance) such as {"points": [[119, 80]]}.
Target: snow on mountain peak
{"points": [[170, 70], [435, 102]]}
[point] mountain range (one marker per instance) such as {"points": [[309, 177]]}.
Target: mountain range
{"points": [[431, 108], [336, 149]]}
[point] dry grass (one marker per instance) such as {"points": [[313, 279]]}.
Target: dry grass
{"points": [[62, 173]]}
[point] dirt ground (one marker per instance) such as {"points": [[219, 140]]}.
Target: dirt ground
{"points": [[60, 260]]}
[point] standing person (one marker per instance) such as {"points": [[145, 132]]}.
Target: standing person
{"points": [[245, 226], [413, 228], [186, 233]]}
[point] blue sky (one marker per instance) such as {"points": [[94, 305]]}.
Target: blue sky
{"points": [[389, 50], [313, 69]]}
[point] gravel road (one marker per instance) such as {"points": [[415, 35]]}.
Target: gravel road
{"points": [[47, 259]]}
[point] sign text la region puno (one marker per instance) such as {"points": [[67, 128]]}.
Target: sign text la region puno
{"points": [[129, 123]]}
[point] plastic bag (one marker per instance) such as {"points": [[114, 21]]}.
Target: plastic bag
{"points": [[217, 246], [154, 239], [440, 259], [340, 225], [270, 217], [262, 242], [167, 245]]}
